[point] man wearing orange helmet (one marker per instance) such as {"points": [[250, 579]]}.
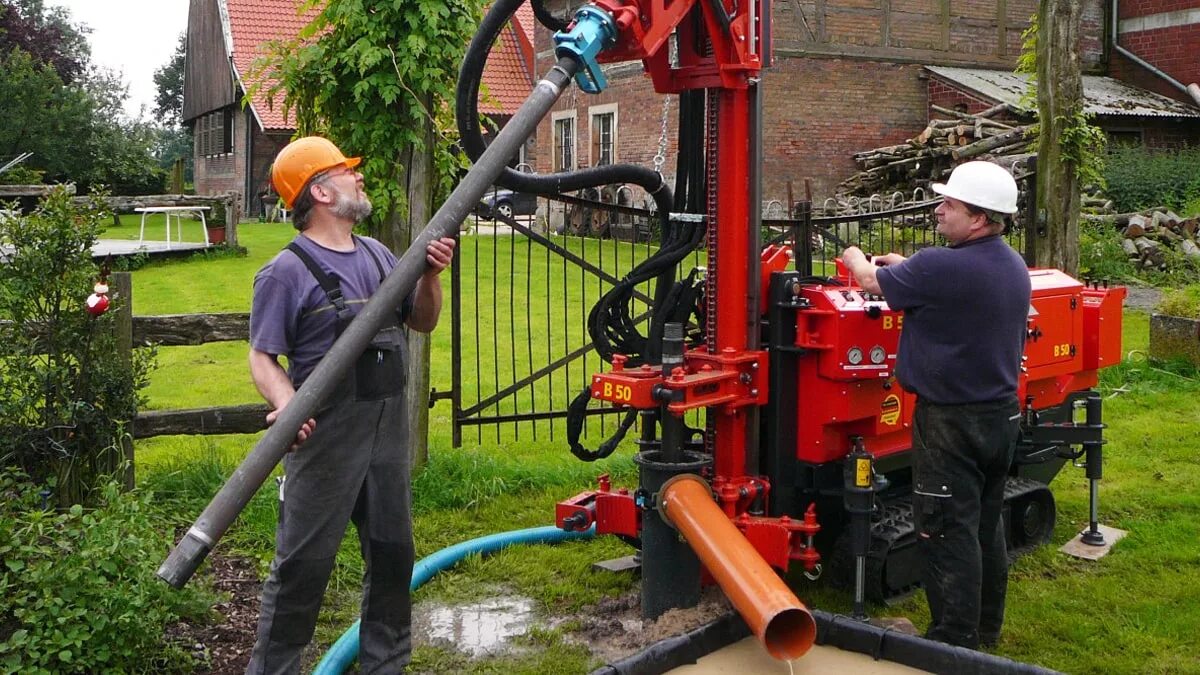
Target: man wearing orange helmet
{"points": [[353, 465], [966, 309]]}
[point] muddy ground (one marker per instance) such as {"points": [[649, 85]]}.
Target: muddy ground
{"points": [[225, 643], [612, 630]]}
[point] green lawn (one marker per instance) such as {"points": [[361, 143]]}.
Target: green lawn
{"points": [[1133, 611]]}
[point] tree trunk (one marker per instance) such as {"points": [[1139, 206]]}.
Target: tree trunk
{"points": [[402, 225], [1060, 95]]}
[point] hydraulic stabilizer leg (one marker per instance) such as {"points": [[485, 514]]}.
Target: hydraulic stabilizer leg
{"points": [[220, 513], [859, 499], [1093, 458]]}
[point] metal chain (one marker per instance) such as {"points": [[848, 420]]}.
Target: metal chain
{"points": [[712, 169], [661, 157]]}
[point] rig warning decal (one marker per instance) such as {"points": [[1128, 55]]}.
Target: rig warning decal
{"points": [[889, 410]]}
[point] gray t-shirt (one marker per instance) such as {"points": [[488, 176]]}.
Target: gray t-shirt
{"points": [[291, 315], [966, 310]]}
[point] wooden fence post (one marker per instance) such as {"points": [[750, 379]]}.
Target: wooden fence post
{"points": [[233, 214], [122, 289]]}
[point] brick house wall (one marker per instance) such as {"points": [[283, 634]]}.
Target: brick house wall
{"points": [[847, 77], [946, 95], [224, 171], [266, 147], [1165, 33], [1157, 133], [227, 171], [819, 112]]}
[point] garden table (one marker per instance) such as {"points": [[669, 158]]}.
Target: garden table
{"points": [[178, 212]]}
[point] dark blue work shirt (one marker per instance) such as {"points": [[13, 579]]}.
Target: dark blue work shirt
{"points": [[966, 309]]}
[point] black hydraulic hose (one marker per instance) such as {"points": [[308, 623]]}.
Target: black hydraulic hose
{"points": [[466, 110], [547, 19], [610, 324], [220, 513], [576, 413]]}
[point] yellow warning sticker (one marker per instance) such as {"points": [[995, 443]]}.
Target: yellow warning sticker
{"points": [[862, 473], [889, 410]]}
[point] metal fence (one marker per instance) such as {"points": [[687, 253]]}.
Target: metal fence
{"points": [[523, 287]]}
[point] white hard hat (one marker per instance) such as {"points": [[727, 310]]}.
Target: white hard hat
{"points": [[983, 184]]}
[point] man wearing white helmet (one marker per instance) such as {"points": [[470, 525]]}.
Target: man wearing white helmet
{"points": [[965, 307]]}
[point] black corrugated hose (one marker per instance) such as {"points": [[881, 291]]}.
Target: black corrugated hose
{"points": [[610, 323]]}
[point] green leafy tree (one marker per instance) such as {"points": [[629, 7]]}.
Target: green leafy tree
{"points": [[77, 133], [378, 79], [66, 111], [66, 391], [41, 115], [173, 141], [48, 34], [118, 149], [168, 79]]}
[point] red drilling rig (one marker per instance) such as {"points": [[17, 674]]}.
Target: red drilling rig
{"points": [[805, 455]]}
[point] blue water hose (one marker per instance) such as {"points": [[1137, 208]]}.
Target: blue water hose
{"points": [[345, 650]]}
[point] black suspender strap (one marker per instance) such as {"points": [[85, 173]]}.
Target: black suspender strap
{"points": [[333, 290]]}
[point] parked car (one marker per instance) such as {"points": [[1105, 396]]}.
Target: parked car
{"points": [[507, 203]]}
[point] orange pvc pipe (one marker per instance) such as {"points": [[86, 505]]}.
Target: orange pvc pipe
{"points": [[781, 622]]}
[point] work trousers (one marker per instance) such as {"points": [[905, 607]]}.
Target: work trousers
{"points": [[354, 467], [962, 455]]}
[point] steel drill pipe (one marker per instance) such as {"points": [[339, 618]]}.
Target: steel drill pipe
{"points": [[781, 622], [220, 513]]}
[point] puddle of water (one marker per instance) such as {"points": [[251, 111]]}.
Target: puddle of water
{"points": [[477, 628]]}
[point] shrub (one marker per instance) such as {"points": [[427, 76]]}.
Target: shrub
{"points": [[19, 175], [77, 587], [66, 390], [1101, 255], [1184, 302], [1139, 178]]}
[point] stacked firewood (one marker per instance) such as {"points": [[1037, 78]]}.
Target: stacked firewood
{"points": [[1146, 236], [929, 156]]}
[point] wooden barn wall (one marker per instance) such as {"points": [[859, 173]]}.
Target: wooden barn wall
{"points": [[208, 78]]}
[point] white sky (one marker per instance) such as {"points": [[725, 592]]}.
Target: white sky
{"points": [[133, 37]]}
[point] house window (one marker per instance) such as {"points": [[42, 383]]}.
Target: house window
{"points": [[604, 135], [214, 133], [564, 141]]}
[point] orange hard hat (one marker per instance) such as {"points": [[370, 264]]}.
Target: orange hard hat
{"points": [[302, 159]]}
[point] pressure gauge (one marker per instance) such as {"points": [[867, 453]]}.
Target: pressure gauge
{"points": [[878, 354], [854, 356]]}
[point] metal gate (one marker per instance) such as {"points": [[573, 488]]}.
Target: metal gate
{"points": [[522, 288]]}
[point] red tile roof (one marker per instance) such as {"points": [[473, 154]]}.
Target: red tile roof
{"points": [[508, 76], [253, 23]]}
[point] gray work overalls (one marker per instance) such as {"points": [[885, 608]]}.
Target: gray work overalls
{"points": [[353, 468]]}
